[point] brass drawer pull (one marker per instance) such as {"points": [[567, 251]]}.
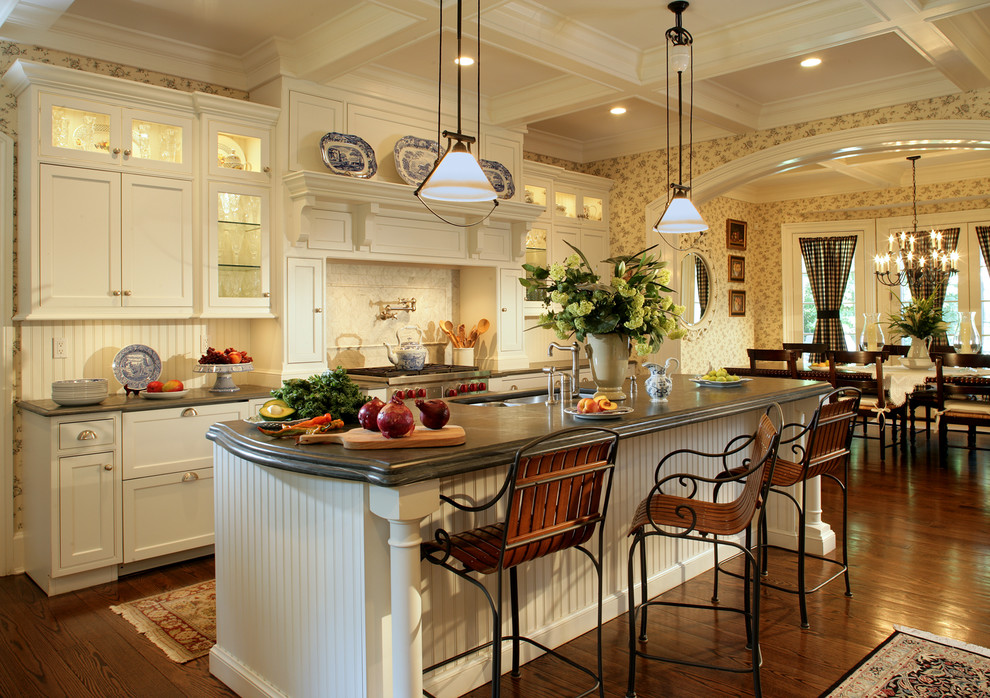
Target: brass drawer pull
{"points": [[190, 412], [86, 435], [190, 477]]}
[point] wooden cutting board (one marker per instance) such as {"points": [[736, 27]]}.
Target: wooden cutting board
{"points": [[450, 435]]}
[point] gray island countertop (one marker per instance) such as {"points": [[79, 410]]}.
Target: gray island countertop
{"points": [[495, 432]]}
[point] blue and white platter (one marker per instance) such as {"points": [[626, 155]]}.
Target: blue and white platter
{"points": [[500, 178], [136, 365], [414, 158], [348, 155]]}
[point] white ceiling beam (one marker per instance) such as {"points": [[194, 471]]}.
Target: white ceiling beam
{"points": [[41, 14], [547, 99], [861, 174], [968, 34]]}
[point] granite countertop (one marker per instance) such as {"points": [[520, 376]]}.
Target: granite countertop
{"points": [[495, 432], [135, 403]]}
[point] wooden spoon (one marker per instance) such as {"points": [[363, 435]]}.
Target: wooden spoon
{"points": [[483, 326], [461, 334], [472, 337], [448, 329]]}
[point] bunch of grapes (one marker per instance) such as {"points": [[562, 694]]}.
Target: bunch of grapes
{"points": [[212, 356]]}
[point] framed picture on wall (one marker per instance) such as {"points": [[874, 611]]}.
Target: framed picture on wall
{"points": [[737, 268], [735, 234], [737, 303]]}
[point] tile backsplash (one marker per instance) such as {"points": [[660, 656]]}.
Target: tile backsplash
{"points": [[356, 294]]}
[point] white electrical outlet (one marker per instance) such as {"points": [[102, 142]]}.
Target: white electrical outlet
{"points": [[204, 343], [59, 348]]}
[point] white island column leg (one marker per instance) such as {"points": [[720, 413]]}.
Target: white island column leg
{"points": [[404, 508]]}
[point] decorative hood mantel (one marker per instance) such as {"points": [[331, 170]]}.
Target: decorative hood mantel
{"points": [[368, 217]]}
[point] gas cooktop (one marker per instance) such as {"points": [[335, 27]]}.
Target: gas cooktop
{"points": [[428, 369]]}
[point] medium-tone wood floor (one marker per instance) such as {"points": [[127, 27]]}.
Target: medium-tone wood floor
{"points": [[919, 549]]}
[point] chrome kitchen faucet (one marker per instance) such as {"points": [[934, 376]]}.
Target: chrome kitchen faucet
{"points": [[575, 350]]}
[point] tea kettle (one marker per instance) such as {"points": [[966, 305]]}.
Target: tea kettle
{"points": [[410, 354]]}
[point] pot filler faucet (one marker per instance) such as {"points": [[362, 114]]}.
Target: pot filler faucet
{"points": [[575, 364]]}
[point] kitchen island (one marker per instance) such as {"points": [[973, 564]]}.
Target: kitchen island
{"points": [[320, 590]]}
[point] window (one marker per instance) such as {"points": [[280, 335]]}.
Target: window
{"points": [[847, 311]]}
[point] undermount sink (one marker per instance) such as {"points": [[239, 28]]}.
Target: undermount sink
{"points": [[511, 399]]}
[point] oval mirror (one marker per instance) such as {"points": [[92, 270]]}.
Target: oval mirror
{"points": [[697, 285]]}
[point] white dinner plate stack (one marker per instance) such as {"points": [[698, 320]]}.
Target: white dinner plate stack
{"points": [[82, 391]]}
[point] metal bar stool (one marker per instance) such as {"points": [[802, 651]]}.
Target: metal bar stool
{"points": [[556, 496], [824, 451], [693, 518]]}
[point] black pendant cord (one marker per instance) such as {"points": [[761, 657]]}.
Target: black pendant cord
{"points": [[459, 63], [477, 72]]}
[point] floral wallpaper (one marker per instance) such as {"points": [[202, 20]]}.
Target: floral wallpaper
{"points": [[643, 177], [10, 52]]}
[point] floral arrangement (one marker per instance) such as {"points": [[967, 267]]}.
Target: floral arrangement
{"points": [[919, 318], [632, 303]]}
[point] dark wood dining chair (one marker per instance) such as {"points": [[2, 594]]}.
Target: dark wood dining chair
{"points": [[783, 363], [555, 497], [819, 448], [874, 404], [689, 516], [961, 400], [809, 351]]}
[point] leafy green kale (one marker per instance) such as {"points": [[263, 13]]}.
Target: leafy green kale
{"points": [[330, 391]]}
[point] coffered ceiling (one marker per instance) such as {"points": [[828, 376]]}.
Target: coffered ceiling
{"points": [[555, 67]]}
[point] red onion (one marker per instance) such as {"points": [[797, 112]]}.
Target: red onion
{"points": [[368, 414], [433, 413], [395, 420]]}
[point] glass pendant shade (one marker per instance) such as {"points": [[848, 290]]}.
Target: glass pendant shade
{"points": [[680, 58], [680, 217], [458, 177]]}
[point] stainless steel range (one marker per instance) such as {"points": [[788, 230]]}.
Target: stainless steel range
{"points": [[435, 380]]}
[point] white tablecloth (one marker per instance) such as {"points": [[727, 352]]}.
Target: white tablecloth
{"points": [[902, 381]]}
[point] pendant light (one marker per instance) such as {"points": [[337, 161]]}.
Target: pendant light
{"points": [[680, 216], [456, 175]]}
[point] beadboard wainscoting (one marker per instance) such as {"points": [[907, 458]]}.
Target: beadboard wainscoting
{"points": [[304, 567]]}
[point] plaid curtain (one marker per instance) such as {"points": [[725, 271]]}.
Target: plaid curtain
{"points": [[983, 236], [828, 261], [701, 277], [923, 246]]}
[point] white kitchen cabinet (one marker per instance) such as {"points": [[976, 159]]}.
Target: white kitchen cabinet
{"points": [[238, 152], [112, 136], [72, 487], [305, 318], [113, 488], [510, 316], [114, 242], [238, 249]]}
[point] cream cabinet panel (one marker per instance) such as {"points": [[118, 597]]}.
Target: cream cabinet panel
{"points": [[156, 242], [79, 256], [305, 323], [111, 241], [510, 317], [157, 442], [594, 244], [167, 513], [88, 493]]}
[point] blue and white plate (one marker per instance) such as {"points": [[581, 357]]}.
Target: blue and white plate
{"points": [[344, 154], [720, 384], [415, 157], [136, 365], [500, 178]]}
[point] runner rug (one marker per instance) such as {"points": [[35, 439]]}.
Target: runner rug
{"points": [[916, 663], [182, 622]]}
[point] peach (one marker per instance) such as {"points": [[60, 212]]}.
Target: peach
{"points": [[588, 405], [172, 386]]}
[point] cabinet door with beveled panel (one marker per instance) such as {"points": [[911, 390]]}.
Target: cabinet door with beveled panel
{"points": [[238, 249]]}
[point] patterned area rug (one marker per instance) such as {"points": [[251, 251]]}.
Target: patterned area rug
{"points": [[916, 663], [182, 622]]}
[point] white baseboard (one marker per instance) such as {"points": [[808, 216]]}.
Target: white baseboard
{"points": [[239, 678]]}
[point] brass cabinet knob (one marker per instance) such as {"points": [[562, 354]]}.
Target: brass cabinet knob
{"points": [[115, 292], [115, 151], [317, 310], [505, 310], [127, 293], [266, 294], [127, 152], [266, 169], [190, 412], [108, 466]]}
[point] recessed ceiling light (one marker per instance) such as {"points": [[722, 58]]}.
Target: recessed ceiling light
{"points": [[811, 62], [464, 60], [617, 110]]}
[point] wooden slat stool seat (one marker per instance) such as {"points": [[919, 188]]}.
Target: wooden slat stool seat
{"points": [[556, 496], [689, 517], [822, 450]]}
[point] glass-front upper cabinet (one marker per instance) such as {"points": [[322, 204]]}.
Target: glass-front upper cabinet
{"points": [[93, 132], [536, 254], [238, 247], [239, 152], [580, 206]]}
